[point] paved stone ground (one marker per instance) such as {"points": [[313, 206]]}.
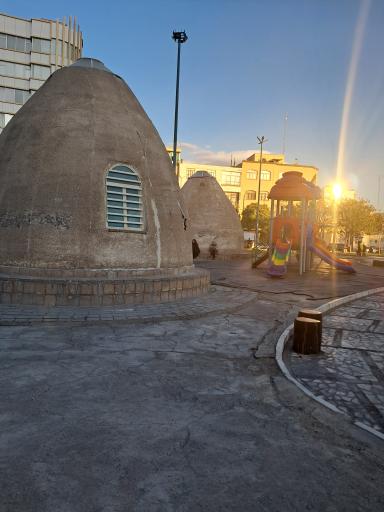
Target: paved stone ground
{"points": [[178, 414], [349, 372], [214, 302]]}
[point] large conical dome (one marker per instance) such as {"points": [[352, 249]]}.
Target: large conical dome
{"points": [[86, 182], [55, 156], [212, 216]]}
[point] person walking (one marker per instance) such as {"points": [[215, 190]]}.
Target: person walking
{"points": [[195, 248], [213, 249]]}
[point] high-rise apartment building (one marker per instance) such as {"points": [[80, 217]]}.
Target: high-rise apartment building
{"points": [[30, 51]]}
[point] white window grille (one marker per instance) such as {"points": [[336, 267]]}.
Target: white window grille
{"points": [[124, 199]]}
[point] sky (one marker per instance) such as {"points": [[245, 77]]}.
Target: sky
{"points": [[245, 65]]}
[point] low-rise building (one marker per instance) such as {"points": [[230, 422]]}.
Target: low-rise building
{"points": [[240, 183], [273, 166]]}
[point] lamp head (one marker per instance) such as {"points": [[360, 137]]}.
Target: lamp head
{"points": [[180, 37]]}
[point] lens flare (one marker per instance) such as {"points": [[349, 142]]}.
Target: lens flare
{"points": [[337, 191], [350, 85]]}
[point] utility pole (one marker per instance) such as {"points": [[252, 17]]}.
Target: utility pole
{"points": [[261, 141], [180, 38], [285, 132]]}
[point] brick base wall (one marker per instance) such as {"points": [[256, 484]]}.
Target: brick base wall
{"points": [[47, 291]]}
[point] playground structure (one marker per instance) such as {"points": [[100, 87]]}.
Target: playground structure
{"points": [[293, 227]]}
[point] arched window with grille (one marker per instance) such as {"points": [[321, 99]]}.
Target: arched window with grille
{"points": [[124, 199]]}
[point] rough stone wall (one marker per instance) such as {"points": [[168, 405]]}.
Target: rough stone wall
{"points": [[212, 216], [54, 156]]}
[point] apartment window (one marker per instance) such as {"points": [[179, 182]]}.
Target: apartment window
{"points": [[231, 178], [41, 45], [40, 72], [20, 44], [59, 48], [124, 199], [251, 175], [21, 96], [17, 96], [234, 198], [14, 70], [265, 175], [264, 196], [250, 195]]}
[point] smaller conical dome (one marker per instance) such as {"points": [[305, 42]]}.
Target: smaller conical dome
{"points": [[212, 216]]}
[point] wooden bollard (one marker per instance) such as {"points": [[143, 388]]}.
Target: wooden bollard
{"points": [[316, 315], [306, 336]]}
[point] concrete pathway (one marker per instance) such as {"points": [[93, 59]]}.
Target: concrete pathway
{"points": [[349, 373], [178, 413]]}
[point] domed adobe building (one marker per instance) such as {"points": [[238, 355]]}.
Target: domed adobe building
{"points": [[212, 216], [90, 209]]}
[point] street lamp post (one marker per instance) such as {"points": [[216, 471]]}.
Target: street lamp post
{"points": [[180, 38], [379, 178], [261, 141]]}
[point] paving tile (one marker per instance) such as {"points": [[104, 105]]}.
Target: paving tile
{"points": [[349, 372]]}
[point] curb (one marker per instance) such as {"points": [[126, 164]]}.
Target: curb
{"points": [[284, 337]]}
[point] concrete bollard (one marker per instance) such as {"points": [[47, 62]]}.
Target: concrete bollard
{"points": [[306, 336]]}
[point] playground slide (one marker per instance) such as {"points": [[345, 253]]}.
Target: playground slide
{"points": [[318, 248], [262, 257], [278, 265]]}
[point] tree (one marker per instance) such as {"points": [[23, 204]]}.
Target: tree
{"points": [[376, 224], [324, 217], [248, 220], [354, 218]]}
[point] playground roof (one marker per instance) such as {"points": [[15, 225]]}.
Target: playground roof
{"points": [[293, 187]]}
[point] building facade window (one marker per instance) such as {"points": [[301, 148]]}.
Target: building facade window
{"points": [[250, 195], [231, 178], [41, 45], [264, 196], [265, 175], [72, 49], [14, 70], [19, 44], [40, 72], [124, 199], [251, 175], [18, 96], [234, 197]]}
